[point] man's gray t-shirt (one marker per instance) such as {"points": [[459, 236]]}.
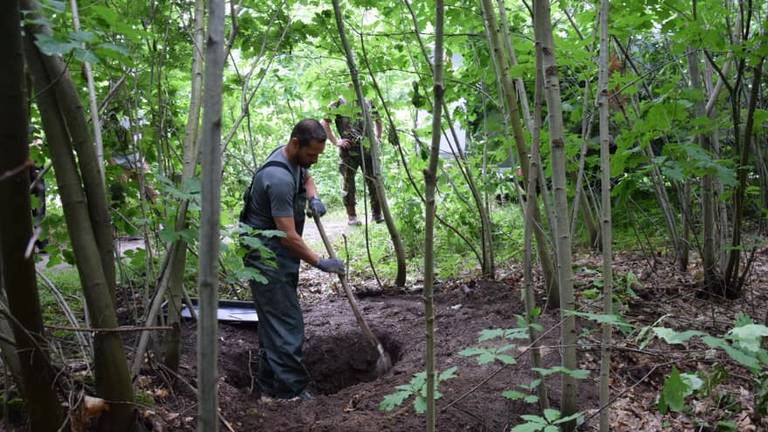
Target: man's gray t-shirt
{"points": [[273, 192]]}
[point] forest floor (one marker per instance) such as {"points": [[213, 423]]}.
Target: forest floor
{"points": [[348, 393]]}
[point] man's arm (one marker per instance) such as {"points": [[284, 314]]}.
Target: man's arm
{"points": [[296, 245], [316, 207], [341, 143], [378, 128], [327, 127], [309, 186], [293, 241]]}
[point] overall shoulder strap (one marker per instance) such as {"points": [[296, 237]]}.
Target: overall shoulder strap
{"points": [[272, 163], [247, 193], [285, 166]]}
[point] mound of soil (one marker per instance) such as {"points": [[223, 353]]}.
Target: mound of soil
{"points": [[341, 362]]}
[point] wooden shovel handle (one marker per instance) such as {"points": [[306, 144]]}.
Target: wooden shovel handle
{"points": [[347, 290]]}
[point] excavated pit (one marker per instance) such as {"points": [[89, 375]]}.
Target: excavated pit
{"points": [[340, 361], [334, 362]]}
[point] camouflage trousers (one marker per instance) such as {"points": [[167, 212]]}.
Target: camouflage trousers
{"points": [[352, 159]]}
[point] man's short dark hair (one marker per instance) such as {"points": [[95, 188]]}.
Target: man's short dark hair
{"points": [[308, 130]]}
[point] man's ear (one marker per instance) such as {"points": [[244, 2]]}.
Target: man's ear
{"points": [[294, 143]]}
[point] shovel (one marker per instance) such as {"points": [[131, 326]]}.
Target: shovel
{"points": [[384, 362]]}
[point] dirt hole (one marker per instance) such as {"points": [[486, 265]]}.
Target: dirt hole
{"points": [[334, 362], [343, 360]]}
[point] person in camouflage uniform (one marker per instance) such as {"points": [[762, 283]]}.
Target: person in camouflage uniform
{"points": [[353, 155]]}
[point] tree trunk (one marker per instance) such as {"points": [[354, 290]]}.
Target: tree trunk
{"points": [[112, 379], [430, 182], [593, 230], [38, 376], [178, 249], [657, 179], [712, 277], [732, 276], [487, 264], [210, 141], [93, 107], [545, 49], [510, 52], [510, 100], [395, 141], [8, 348], [684, 195], [580, 202], [762, 169], [607, 229], [72, 112], [721, 211], [533, 122], [530, 211], [376, 168]]}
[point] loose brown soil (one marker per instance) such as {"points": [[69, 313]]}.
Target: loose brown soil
{"points": [[348, 393], [341, 363]]}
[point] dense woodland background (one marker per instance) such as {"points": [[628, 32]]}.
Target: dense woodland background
{"points": [[585, 184]]}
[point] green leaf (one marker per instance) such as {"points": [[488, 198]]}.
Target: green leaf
{"points": [[250, 273], [760, 117], [168, 234], [85, 55], [551, 428], [746, 359], [528, 427], [420, 404], [533, 419], [532, 386], [82, 36], [692, 381], [393, 400], [574, 373], [472, 351], [575, 416], [749, 336], [511, 333], [517, 395], [506, 359], [447, 374], [419, 380], [489, 355], [742, 319], [673, 393], [613, 320], [51, 46], [727, 426], [489, 334], [118, 49], [531, 399], [674, 337], [551, 414], [58, 6], [514, 395], [272, 233]]}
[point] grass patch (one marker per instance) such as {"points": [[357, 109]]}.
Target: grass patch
{"points": [[67, 281]]}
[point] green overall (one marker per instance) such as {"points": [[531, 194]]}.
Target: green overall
{"points": [[281, 324]]}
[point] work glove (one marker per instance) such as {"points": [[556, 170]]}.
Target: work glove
{"points": [[330, 265], [317, 207]]}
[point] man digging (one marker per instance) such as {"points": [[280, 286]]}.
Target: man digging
{"points": [[276, 200]]}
